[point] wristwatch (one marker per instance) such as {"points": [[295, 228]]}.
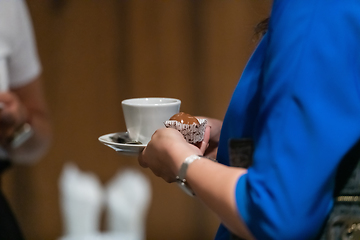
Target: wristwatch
{"points": [[180, 179], [22, 135]]}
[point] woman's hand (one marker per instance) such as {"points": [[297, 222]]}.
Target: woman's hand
{"points": [[168, 149], [166, 152], [215, 129]]}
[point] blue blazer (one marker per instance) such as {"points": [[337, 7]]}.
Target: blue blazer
{"points": [[299, 100]]}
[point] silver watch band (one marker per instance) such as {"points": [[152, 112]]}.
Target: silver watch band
{"points": [[181, 180]]}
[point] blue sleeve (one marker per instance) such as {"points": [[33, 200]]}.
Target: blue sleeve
{"points": [[309, 117]]}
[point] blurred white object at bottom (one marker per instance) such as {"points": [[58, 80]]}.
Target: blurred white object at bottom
{"points": [[126, 199], [103, 236]]}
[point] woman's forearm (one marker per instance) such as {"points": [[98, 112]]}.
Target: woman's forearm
{"points": [[214, 184]]}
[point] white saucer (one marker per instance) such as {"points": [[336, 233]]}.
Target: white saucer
{"points": [[121, 147]]}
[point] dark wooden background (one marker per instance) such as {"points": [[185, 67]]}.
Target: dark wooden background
{"points": [[95, 53]]}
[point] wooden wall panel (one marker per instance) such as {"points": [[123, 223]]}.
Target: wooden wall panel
{"points": [[227, 44], [97, 53]]}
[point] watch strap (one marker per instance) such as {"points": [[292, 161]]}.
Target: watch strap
{"points": [[185, 165], [181, 178]]}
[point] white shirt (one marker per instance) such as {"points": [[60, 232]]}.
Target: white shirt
{"points": [[19, 62]]}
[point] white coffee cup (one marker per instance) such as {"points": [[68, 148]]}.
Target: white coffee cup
{"points": [[143, 116]]}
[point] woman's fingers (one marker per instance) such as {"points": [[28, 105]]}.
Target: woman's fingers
{"points": [[205, 143], [141, 160]]}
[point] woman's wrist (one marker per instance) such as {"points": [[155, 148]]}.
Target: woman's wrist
{"points": [[179, 160], [181, 177]]}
